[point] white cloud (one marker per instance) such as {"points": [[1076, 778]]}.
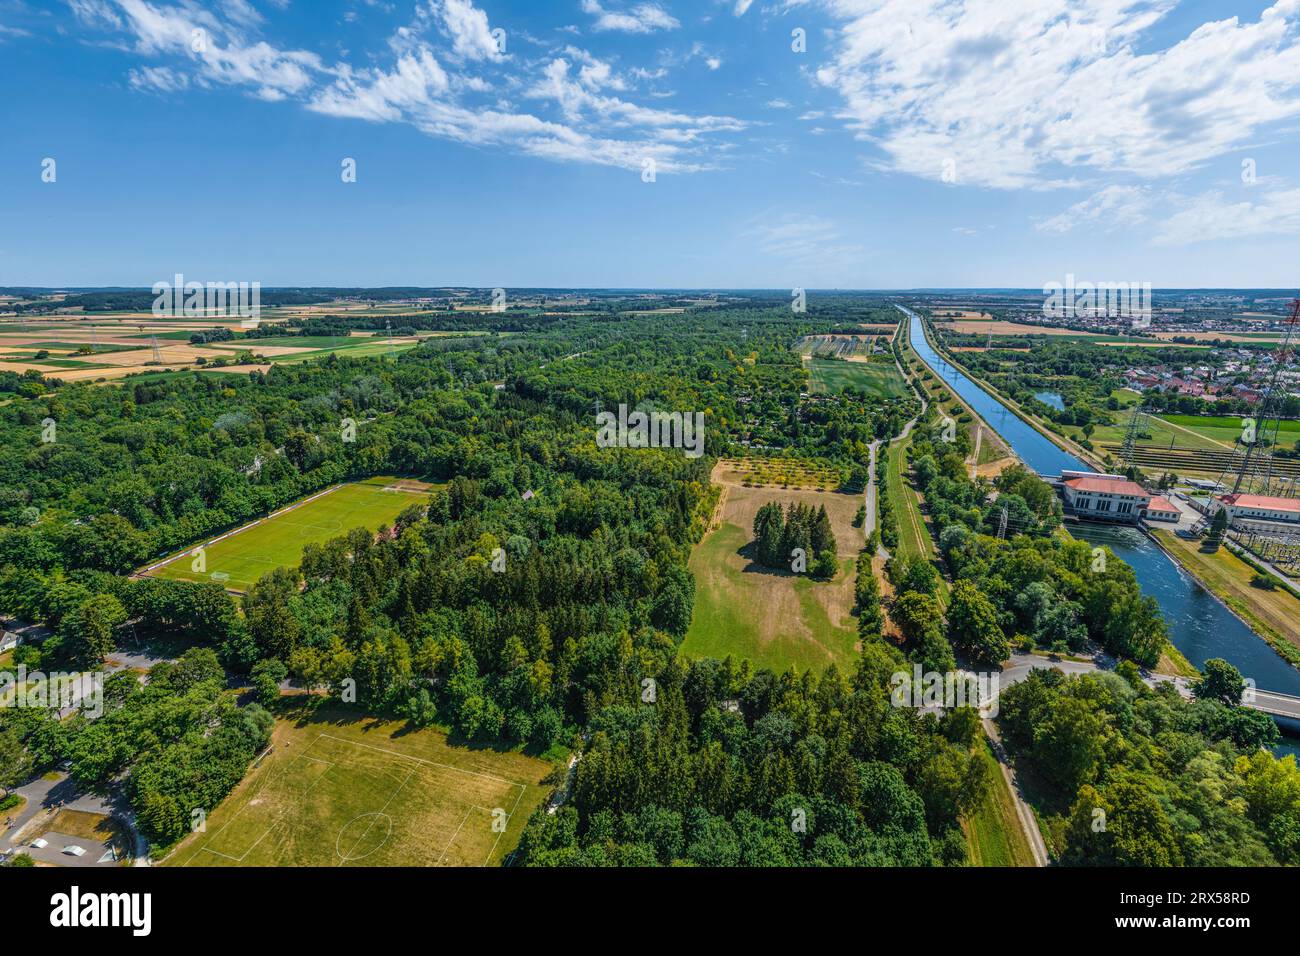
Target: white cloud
{"points": [[219, 50], [594, 73], [468, 28], [241, 12], [159, 79], [1171, 218], [643, 18], [577, 99], [742, 6], [1111, 208], [1023, 93], [376, 95], [96, 13], [1211, 215], [440, 93], [804, 243]]}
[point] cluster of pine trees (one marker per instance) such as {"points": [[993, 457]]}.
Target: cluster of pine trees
{"points": [[780, 537]]}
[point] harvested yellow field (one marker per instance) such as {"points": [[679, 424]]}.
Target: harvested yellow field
{"points": [[1002, 327], [1152, 344], [961, 314], [1228, 336]]}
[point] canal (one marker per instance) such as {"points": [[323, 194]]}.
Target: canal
{"points": [[1199, 626]]}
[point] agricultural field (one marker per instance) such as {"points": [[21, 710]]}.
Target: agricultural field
{"points": [[1004, 328], [1247, 337], [1226, 430], [852, 347], [960, 315], [874, 378], [989, 326], [75, 349], [774, 619], [1187, 445], [238, 558], [342, 790]]}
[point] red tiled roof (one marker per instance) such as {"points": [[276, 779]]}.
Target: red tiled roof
{"points": [[1160, 503], [1113, 486], [1262, 501]]}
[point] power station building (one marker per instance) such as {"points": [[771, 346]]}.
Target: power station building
{"points": [[1103, 497], [1258, 508]]}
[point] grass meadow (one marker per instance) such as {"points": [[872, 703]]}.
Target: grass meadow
{"points": [[338, 789], [239, 558], [874, 378], [774, 619]]}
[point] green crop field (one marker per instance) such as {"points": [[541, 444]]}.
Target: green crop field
{"points": [[183, 335], [363, 348], [295, 342], [874, 378], [237, 560], [339, 790], [68, 348], [1227, 429], [1153, 431]]}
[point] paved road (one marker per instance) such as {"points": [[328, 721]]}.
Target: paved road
{"points": [[40, 794], [1021, 665], [46, 797]]}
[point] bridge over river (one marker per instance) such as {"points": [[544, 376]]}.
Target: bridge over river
{"points": [[1284, 707]]}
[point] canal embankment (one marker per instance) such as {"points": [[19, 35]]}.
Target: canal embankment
{"points": [[1200, 625]]}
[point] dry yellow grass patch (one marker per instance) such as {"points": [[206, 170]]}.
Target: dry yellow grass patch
{"points": [[1005, 328]]}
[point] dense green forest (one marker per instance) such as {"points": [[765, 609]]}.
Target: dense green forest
{"points": [[1017, 583], [1140, 777], [552, 651]]}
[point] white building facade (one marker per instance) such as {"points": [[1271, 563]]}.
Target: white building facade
{"points": [[1104, 497], [1258, 508]]}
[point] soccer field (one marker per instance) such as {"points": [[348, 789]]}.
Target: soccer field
{"points": [[365, 793], [237, 559]]}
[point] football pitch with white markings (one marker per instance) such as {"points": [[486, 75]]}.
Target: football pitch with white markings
{"points": [[361, 793]]}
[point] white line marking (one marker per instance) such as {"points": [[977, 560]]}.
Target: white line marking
{"points": [[454, 835], [432, 763], [488, 858]]}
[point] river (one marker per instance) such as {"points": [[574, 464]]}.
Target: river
{"points": [[1199, 626]]}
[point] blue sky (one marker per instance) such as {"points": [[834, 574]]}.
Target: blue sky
{"points": [[507, 143]]}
